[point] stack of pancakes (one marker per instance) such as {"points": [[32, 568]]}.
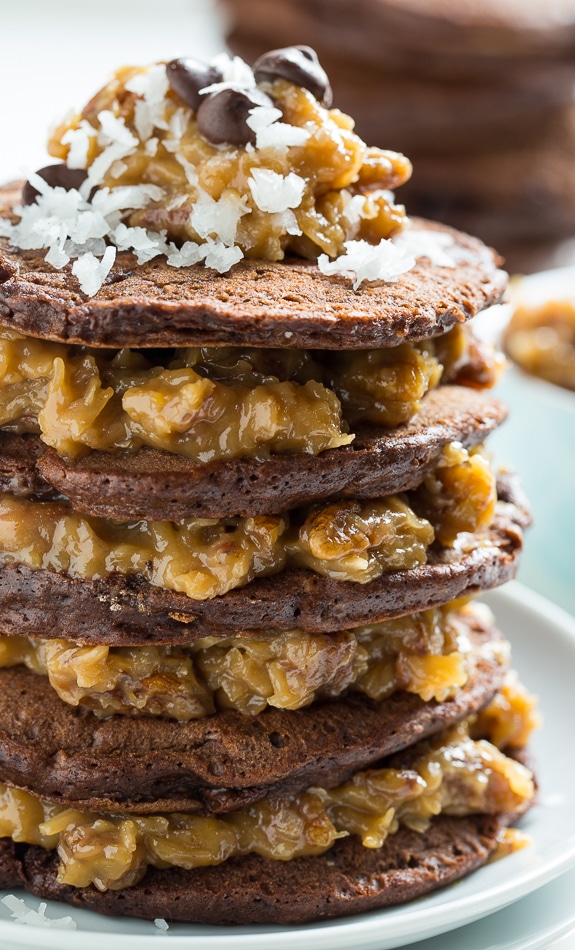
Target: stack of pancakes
{"points": [[130, 761], [479, 95]]}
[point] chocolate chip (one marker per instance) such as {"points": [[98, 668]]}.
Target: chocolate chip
{"points": [[297, 64], [222, 116], [57, 176], [187, 76]]}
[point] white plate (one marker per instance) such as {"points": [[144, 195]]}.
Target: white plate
{"points": [[533, 923], [544, 650]]}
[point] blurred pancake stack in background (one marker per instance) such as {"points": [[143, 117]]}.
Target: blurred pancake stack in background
{"points": [[479, 94]]}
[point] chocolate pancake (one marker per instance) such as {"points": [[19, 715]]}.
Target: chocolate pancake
{"points": [[152, 484], [66, 754], [347, 879], [260, 303], [126, 609], [19, 457]]}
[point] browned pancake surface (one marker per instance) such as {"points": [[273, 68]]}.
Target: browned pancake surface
{"points": [[151, 484], [256, 303]]}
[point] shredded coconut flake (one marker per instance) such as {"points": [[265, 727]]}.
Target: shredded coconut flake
{"points": [[384, 261], [87, 226], [20, 912], [79, 142], [39, 183], [125, 197], [237, 74], [149, 114], [176, 202], [270, 132], [114, 131], [151, 147], [179, 124], [286, 221], [260, 117], [118, 143], [57, 257], [143, 120], [436, 246], [272, 192], [280, 135], [145, 244], [214, 254], [91, 272], [353, 212], [218, 219], [96, 245], [56, 216], [219, 257], [72, 228], [188, 254], [118, 169], [177, 129], [189, 168], [161, 924]]}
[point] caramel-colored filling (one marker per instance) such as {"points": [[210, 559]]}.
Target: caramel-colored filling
{"points": [[226, 402], [509, 841], [511, 716], [452, 775], [334, 163], [542, 341], [204, 558], [460, 495], [348, 540], [426, 653]]}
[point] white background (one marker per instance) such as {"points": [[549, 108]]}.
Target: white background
{"points": [[55, 54]]}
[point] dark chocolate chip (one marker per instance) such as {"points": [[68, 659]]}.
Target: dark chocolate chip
{"points": [[57, 176], [222, 116], [297, 64], [187, 76]]}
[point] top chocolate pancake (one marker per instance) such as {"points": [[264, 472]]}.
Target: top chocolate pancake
{"points": [[258, 303]]}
